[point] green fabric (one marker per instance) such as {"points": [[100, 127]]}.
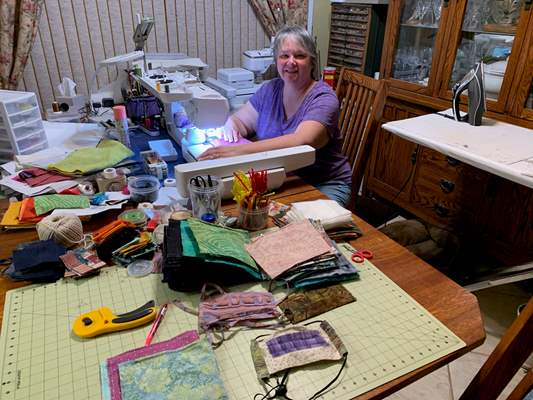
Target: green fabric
{"points": [[87, 159], [189, 373], [191, 249], [215, 241], [49, 202]]}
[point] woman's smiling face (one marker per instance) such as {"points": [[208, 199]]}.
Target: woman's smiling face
{"points": [[294, 63]]}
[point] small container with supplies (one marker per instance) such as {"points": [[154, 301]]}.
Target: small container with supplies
{"points": [[253, 219], [144, 189], [154, 164], [204, 192]]}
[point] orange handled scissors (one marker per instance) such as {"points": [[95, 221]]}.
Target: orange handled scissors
{"points": [[360, 255]]}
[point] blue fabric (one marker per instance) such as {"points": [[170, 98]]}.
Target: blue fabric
{"points": [[188, 373], [338, 191]]}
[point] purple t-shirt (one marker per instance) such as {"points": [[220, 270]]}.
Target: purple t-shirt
{"points": [[321, 105]]}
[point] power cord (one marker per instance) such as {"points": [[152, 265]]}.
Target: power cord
{"points": [[414, 156]]}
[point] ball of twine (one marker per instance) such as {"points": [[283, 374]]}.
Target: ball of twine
{"points": [[63, 229]]}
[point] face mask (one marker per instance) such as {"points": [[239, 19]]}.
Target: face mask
{"points": [[294, 347], [221, 311]]}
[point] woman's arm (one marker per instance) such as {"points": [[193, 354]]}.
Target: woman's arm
{"points": [[241, 123], [312, 133]]}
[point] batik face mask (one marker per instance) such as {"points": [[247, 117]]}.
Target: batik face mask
{"points": [[295, 346]]}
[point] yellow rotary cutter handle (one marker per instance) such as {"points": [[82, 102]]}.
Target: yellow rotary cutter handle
{"points": [[102, 320]]}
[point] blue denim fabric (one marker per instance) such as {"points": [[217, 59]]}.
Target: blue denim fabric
{"points": [[337, 190]]}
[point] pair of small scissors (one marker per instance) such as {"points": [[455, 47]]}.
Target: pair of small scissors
{"points": [[360, 255]]}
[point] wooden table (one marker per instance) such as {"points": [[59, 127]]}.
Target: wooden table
{"points": [[451, 304]]}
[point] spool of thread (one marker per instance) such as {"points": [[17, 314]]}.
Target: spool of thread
{"points": [[169, 182], [145, 205], [55, 106], [167, 88], [158, 86], [109, 173], [86, 188], [64, 229]]}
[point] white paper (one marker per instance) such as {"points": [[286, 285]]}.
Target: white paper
{"points": [[168, 195], [86, 211]]}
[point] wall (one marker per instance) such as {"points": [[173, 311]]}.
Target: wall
{"points": [[321, 22], [74, 35]]}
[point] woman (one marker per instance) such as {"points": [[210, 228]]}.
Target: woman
{"points": [[293, 110]]}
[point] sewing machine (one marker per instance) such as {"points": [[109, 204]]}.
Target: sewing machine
{"points": [[239, 84]]}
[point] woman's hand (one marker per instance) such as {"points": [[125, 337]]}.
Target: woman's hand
{"points": [[231, 131], [223, 151]]}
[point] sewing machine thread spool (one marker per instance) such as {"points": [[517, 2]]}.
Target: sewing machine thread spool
{"points": [[169, 182], [110, 181], [167, 88], [55, 106], [109, 173], [86, 188]]}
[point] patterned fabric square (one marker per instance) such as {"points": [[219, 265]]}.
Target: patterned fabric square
{"points": [[189, 373]]}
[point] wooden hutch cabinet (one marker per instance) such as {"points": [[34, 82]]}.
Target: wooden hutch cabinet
{"points": [[429, 46]]}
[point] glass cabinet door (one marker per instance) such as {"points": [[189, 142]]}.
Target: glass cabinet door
{"points": [[419, 23], [487, 35]]}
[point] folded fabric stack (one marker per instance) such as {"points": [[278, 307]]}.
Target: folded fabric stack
{"points": [[196, 252], [323, 270], [37, 262], [300, 255]]}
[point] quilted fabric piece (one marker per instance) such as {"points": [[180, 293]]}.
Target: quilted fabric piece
{"points": [[306, 304], [217, 241], [295, 346], [188, 373], [49, 202]]}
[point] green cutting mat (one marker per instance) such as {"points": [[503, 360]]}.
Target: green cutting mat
{"points": [[386, 332]]}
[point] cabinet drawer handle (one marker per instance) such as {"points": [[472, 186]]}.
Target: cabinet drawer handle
{"points": [[441, 210], [452, 161], [447, 186]]}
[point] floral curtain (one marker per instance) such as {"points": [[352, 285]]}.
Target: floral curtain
{"points": [[274, 14], [19, 20]]}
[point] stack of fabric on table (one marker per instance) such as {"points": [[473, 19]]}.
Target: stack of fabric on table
{"points": [[195, 252], [297, 255]]}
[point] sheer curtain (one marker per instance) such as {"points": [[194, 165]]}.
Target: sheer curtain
{"points": [[274, 14], [19, 20]]}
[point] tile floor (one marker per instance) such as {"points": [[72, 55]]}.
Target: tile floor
{"points": [[498, 307]]}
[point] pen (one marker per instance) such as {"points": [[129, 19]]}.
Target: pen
{"points": [[156, 324]]}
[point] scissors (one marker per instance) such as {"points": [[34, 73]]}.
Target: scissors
{"points": [[200, 181], [360, 255]]}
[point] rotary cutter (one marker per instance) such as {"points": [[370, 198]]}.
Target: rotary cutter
{"points": [[102, 320]]}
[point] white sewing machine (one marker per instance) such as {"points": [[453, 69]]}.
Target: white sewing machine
{"points": [[239, 84]]}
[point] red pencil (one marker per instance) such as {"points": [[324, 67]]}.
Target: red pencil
{"points": [[155, 325]]}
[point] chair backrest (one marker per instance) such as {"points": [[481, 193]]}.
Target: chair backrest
{"points": [[505, 360], [361, 101]]}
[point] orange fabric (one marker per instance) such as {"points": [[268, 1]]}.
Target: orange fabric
{"points": [[27, 211]]}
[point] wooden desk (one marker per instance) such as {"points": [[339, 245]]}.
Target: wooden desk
{"points": [[446, 300]]}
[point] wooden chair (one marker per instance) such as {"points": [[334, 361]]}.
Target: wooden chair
{"points": [[504, 361], [361, 101]]}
